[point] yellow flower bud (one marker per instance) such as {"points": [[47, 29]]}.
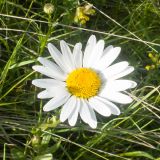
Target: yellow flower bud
{"points": [[153, 66], [147, 67], [150, 55], [48, 8], [150, 67]]}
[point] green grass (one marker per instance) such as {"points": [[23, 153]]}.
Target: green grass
{"points": [[28, 133]]}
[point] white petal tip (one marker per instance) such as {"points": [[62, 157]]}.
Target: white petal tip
{"points": [[108, 115], [34, 68], [118, 48], [117, 51], [93, 126], [45, 109], [118, 113], [39, 96], [129, 100], [93, 36], [62, 41], [132, 69], [39, 59], [49, 45], [61, 119], [72, 124], [33, 82], [134, 85]]}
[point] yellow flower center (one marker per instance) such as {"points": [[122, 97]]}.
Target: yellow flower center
{"points": [[83, 83]]}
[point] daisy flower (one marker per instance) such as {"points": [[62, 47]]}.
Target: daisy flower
{"points": [[83, 83]]}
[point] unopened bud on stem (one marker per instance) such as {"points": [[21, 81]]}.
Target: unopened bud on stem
{"points": [[48, 8]]}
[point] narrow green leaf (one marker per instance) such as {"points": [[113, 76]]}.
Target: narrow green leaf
{"points": [[21, 64], [44, 157], [53, 148], [10, 61], [137, 154]]}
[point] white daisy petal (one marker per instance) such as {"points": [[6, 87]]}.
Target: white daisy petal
{"points": [[77, 55], [52, 66], [127, 71], [120, 85], [108, 58], [68, 108], [67, 55], [47, 83], [88, 50], [55, 102], [115, 69], [57, 90], [87, 114], [49, 72], [113, 108], [72, 119], [93, 120], [43, 70], [47, 63], [107, 50], [100, 107], [96, 54], [84, 112], [116, 97], [57, 56], [44, 94]]}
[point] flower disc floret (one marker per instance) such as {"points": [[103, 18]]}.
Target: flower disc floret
{"points": [[83, 83]]}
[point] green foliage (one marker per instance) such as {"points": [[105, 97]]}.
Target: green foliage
{"points": [[44, 157], [137, 154], [17, 154], [27, 132]]}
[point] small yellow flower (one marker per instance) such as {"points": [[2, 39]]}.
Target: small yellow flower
{"points": [[150, 67], [48, 8], [83, 13], [147, 67], [155, 61], [154, 58]]}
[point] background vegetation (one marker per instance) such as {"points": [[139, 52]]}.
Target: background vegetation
{"points": [[28, 133]]}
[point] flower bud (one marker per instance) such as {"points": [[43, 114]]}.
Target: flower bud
{"points": [[35, 141], [48, 8]]}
